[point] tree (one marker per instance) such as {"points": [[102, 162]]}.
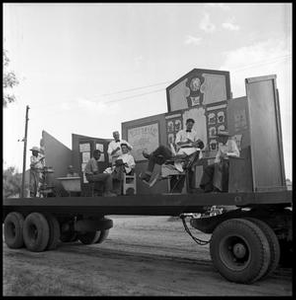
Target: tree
{"points": [[9, 81], [12, 182]]}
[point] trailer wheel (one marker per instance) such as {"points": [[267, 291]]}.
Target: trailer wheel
{"points": [[36, 232], [274, 245], [240, 250], [54, 232], [13, 230], [103, 236], [89, 238]]}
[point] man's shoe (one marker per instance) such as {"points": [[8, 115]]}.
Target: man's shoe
{"points": [[145, 177], [109, 194], [145, 154]]}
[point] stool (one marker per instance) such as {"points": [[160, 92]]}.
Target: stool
{"points": [[95, 191], [129, 184]]}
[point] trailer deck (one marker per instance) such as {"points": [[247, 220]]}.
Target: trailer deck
{"points": [[157, 204]]}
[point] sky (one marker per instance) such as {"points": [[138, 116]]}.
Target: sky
{"points": [[86, 68]]}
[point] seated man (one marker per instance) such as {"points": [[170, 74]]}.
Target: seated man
{"points": [[92, 174], [188, 144], [125, 163], [215, 176]]}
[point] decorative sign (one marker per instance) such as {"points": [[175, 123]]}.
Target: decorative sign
{"points": [[84, 147], [85, 157], [143, 138], [240, 120], [101, 148], [198, 88], [216, 121], [173, 126]]}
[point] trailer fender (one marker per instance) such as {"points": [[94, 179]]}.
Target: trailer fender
{"points": [[92, 225]]}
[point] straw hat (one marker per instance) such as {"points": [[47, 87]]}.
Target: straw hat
{"points": [[223, 133], [35, 149]]}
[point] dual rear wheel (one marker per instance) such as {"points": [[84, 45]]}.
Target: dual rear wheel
{"points": [[244, 250], [39, 232]]}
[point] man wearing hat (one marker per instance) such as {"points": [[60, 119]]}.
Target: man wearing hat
{"points": [[215, 176], [36, 167]]}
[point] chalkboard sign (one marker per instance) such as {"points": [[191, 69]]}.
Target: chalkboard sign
{"points": [[143, 138]]}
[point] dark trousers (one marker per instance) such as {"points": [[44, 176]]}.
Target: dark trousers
{"points": [[102, 177], [215, 176], [158, 156]]}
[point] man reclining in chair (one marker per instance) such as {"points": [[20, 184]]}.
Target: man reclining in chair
{"points": [[188, 145]]}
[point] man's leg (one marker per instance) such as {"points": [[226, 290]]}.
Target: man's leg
{"points": [[158, 156], [106, 178]]}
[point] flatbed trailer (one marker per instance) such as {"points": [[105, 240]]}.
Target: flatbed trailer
{"points": [[250, 234], [246, 243]]}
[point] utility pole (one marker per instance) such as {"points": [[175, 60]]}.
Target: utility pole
{"points": [[25, 153]]}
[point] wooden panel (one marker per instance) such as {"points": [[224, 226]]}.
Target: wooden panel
{"points": [[265, 133], [240, 172], [57, 156]]}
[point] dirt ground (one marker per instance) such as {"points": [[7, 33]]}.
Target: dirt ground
{"points": [[142, 256]]}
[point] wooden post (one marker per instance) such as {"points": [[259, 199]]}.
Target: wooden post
{"points": [[25, 153]]}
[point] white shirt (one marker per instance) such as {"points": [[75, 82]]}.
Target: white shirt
{"points": [[229, 149], [182, 136], [112, 146], [129, 160], [36, 163]]}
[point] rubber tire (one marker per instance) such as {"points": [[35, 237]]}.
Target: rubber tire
{"points": [[256, 244], [103, 236], [89, 238], [275, 251], [13, 230], [54, 232], [36, 232]]}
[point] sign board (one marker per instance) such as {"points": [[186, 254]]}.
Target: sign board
{"points": [[145, 137]]}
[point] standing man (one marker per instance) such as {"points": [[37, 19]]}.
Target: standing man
{"points": [[36, 167], [92, 174], [215, 176], [114, 147]]}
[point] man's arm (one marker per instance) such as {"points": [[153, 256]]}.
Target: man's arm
{"points": [[233, 149], [129, 146]]}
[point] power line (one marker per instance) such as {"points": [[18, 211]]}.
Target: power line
{"points": [[139, 88], [165, 82], [134, 96], [263, 63]]}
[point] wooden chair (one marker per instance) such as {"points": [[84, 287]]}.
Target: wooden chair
{"points": [[129, 186]]}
